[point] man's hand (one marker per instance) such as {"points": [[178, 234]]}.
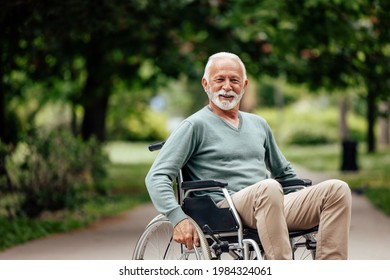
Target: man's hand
{"points": [[185, 233]]}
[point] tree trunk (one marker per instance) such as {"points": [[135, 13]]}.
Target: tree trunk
{"points": [[2, 99], [371, 119], [96, 92], [343, 107], [2, 110], [95, 117], [384, 135]]}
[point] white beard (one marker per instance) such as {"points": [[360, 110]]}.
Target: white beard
{"points": [[225, 104]]}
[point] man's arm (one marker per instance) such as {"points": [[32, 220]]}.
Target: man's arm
{"points": [[171, 158]]}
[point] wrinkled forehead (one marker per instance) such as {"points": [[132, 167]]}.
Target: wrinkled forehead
{"points": [[226, 66]]}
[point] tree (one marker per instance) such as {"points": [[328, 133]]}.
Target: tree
{"points": [[12, 58], [92, 44], [325, 44], [104, 41]]}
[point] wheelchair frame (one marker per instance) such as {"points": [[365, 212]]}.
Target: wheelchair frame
{"points": [[216, 242]]}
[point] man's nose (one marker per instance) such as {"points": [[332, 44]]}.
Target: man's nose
{"points": [[227, 86]]}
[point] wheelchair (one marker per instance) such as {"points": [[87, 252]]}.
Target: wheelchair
{"points": [[221, 232]]}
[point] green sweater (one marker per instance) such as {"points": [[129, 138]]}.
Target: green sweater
{"points": [[211, 148]]}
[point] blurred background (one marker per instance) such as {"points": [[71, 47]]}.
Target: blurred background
{"points": [[85, 86]]}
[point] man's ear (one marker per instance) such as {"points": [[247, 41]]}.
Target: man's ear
{"points": [[204, 84], [245, 84]]}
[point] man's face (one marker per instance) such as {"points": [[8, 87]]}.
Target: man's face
{"points": [[226, 84]]}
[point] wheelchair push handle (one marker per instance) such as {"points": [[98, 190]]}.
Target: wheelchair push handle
{"points": [[156, 146]]}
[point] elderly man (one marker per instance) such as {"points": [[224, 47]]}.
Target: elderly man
{"points": [[220, 141]]}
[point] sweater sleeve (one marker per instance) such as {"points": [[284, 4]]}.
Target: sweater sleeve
{"points": [[173, 155], [276, 163]]}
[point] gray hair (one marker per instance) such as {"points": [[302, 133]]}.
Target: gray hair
{"points": [[211, 59]]}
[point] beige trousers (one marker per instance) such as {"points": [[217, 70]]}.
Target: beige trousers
{"points": [[327, 204]]}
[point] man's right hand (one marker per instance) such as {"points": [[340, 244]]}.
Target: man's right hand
{"points": [[185, 233]]}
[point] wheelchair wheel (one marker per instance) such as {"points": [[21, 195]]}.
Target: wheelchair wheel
{"points": [[304, 247], [156, 243]]}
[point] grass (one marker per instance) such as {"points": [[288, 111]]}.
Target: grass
{"points": [[316, 158], [125, 178], [372, 178], [20, 230]]}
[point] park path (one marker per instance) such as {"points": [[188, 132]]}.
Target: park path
{"points": [[115, 238]]}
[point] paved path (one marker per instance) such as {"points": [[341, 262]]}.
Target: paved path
{"points": [[115, 238]]}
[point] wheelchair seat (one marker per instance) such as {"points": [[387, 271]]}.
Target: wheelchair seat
{"points": [[204, 211]]}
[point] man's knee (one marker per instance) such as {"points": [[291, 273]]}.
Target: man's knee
{"points": [[269, 185], [269, 189], [341, 187], [340, 190]]}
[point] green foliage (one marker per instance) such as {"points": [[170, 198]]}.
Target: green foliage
{"points": [[320, 158], [310, 135], [277, 93], [311, 122], [78, 51], [270, 95], [323, 44], [137, 121], [148, 126], [357, 128], [120, 174], [300, 128], [126, 176], [55, 171], [143, 125], [124, 152]]}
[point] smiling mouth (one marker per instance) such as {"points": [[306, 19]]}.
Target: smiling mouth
{"points": [[227, 96]]}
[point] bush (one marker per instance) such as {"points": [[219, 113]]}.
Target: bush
{"points": [[55, 171], [310, 136], [300, 128], [144, 125], [311, 125]]}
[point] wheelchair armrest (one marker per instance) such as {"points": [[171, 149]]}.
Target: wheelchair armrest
{"points": [[295, 182], [203, 184], [200, 184], [293, 185]]}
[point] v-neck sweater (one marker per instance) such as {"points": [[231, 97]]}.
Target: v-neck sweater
{"points": [[211, 148]]}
